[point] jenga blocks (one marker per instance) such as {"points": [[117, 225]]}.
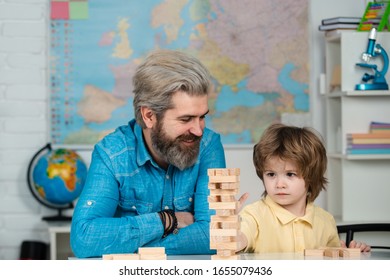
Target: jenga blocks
{"points": [[314, 252], [333, 252], [349, 252], [144, 253], [152, 253], [224, 226]]}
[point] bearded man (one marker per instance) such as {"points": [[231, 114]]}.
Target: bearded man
{"points": [[147, 183]]}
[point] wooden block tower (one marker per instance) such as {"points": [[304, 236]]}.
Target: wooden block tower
{"points": [[224, 185]]}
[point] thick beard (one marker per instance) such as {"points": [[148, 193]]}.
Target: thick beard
{"points": [[171, 150]]}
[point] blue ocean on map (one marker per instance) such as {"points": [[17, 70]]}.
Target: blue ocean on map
{"points": [[257, 76]]}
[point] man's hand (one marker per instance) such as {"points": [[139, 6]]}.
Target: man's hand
{"points": [[184, 219]]}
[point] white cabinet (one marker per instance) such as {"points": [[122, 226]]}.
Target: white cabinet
{"points": [[60, 243], [359, 185]]}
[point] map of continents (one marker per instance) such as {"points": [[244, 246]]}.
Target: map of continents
{"points": [[256, 51]]}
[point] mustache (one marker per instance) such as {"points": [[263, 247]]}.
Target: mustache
{"points": [[189, 137]]}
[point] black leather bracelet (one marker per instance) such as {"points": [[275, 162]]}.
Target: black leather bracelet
{"points": [[172, 226]]}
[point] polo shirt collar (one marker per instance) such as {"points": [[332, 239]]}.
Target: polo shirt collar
{"points": [[285, 216]]}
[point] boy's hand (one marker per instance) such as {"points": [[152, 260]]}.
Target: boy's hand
{"points": [[241, 202], [356, 244], [242, 242]]}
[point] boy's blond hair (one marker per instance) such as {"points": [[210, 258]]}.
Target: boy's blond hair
{"points": [[302, 146]]}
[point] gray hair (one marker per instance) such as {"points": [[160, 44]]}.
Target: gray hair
{"points": [[163, 73]]}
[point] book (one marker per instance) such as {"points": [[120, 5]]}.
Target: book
{"points": [[368, 141], [379, 127], [368, 135], [368, 146], [353, 26], [333, 20], [368, 151], [385, 124], [380, 130]]}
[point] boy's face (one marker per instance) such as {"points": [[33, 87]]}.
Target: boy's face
{"points": [[285, 186]]}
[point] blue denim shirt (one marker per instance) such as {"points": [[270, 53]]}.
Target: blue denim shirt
{"points": [[125, 188]]}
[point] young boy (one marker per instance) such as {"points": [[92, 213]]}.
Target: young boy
{"points": [[291, 162]]}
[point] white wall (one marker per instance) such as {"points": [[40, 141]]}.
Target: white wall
{"points": [[320, 9], [24, 119]]}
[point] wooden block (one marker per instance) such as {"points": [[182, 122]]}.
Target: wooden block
{"points": [[225, 213], [226, 246], [223, 205], [224, 186], [107, 257], [228, 198], [234, 257], [223, 171], [331, 253], [217, 172], [223, 192], [221, 198], [226, 219], [223, 225], [224, 252], [349, 252], [234, 171], [353, 251], [223, 232], [125, 257], [313, 252], [151, 250], [217, 240], [214, 171], [224, 179]]}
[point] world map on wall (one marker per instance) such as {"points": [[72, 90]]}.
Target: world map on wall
{"points": [[256, 51]]}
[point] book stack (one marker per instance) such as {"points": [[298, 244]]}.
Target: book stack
{"points": [[351, 23], [379, 127], [377, 141], [331, 25]]}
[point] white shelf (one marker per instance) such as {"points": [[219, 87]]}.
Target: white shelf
{"points": [[358, 189], [358, 93]]}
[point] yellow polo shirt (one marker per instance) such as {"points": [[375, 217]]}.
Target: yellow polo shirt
{"points": [[270, 228]]}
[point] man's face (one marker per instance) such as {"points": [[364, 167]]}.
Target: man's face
{"points": [[176, 138]]}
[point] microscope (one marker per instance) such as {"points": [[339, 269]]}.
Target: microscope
{"points": [[378, 78]]}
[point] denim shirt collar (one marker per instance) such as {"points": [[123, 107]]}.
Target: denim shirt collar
{"points": [[143, 155]]}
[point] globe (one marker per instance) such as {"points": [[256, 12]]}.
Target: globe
{"points": [[56, 178]]}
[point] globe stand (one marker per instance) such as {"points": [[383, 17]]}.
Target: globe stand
{"points": [[59, 207], [58, 218]]}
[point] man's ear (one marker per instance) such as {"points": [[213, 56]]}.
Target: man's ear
{"points": [[148, 116]]}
